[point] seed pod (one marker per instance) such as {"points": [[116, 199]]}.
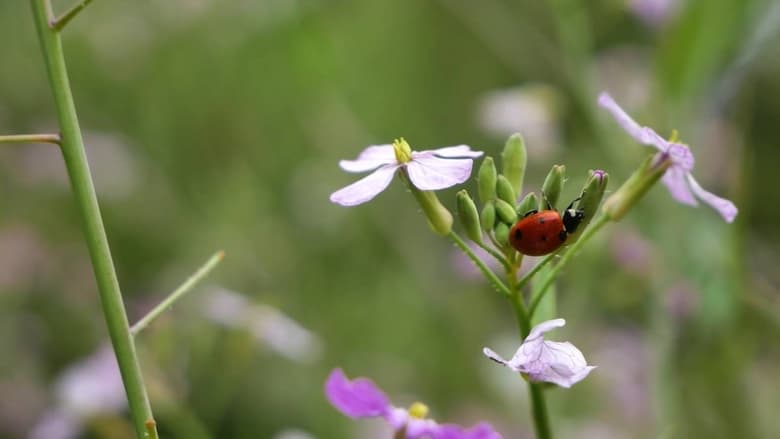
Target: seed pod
{"points": [[469, 218], [502, 234], [506, 213], [552, 187], [486, 180], [488, 217], [528, 204], [592, 194], [649, 172], [439, 218], [505, 191], [513, 160]]}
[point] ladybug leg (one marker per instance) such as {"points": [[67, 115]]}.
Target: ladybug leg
{"points": [[574, 201], [530, 212], [544, 197]]}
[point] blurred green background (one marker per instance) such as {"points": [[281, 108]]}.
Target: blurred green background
{"points": [[218, 125]]}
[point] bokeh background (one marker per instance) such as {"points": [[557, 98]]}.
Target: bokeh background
{"points": [[218, 125]]}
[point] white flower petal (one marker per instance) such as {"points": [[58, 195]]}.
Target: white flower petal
{"points": [[370, 158], [430, 173], [633, 129], [454, 152], [675, 180], [495, 357], [559, 363], [681, 156], [366, 188], [725, 208], [543, 327], [643, 135]]}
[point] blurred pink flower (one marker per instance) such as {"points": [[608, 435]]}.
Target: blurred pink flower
{"points": [[632, 251], [428, 170], [532, 109], [678, 179], [654, 12], [555, 362], [361, 398], [90, 387], [268, 325]]}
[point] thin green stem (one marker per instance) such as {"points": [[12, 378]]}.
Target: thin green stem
{"points": [[31, 138], [518, 303], [92, 223], [594, 227], [60, 22], [538, 405], [487, 272], [528, 276], [539, 411], [498, 256], [185, 287]]}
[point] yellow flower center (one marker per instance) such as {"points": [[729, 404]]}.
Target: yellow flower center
{"points": [[418, 410], [403, 152], [675, 137]]}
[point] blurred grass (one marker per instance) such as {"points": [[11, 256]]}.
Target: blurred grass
{"points": [[233, 116]]}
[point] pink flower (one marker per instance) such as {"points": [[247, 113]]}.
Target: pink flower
{"points": [[361, 398], [678, 179], [428, 170], [551, 361]]}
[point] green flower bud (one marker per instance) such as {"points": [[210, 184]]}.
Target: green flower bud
{"points": [[486, 180], [505, 190], [506, 212], [467, 211], [439, 218], [649, 172], [529, 203], [513, 160], [552, 187], [488, 216], [591, 194], [502, 234]]}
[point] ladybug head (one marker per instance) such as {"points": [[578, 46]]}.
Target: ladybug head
{"points": [[572, 217]]}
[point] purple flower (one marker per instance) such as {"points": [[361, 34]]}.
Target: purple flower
{"points": [[678, 178], [654, 12], [361, 398], [551, 361], [428, 170]]}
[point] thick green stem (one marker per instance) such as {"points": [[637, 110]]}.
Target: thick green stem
{"points": [[594, 227], [538, 405], [539, 410], [92, 223], [31, 138]]}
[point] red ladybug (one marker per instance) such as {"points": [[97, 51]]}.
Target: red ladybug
{"points": [[540, 233]]}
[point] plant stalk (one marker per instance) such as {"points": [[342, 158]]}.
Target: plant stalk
{"points": [[86, 200], [539, 411], [183, 289], [31, 138]]}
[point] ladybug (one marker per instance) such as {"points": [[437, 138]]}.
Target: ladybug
{"points": [[540, 233]]}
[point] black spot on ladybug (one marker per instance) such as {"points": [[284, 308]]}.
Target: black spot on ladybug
{"points": [[562, 235], [541, 220], [518, 235], [544, 238]]}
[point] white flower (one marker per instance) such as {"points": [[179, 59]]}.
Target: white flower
{"points": [[559, 363], [678, 178], [428, 170]]}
